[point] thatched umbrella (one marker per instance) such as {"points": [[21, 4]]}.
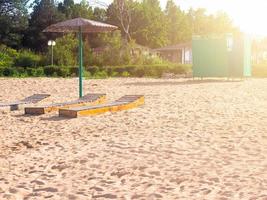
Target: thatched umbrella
{"points": [[80, 25]]}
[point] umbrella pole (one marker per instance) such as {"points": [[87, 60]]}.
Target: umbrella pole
{"points": [[80, 63]]}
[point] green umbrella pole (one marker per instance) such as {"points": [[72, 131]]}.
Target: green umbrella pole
{"points": [[80, 63]]}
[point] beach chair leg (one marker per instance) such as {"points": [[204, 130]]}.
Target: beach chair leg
{"points": [[14, 107]]}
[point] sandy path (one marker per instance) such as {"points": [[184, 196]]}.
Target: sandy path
{"points": [[189, 141]]}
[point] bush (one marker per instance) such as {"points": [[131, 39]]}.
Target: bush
{"points": [[55, 71], [147, 70], [63, 72], [139, 72], [49, 70], [120, 70], [38, 72], [65, 50], [110, 71], [73, 71], [7, 56], [93, 70], [86, 74], [27, 58], [1, 71], [20, 70], [8, 71], [29, 71], [101, 74], [125, 74]]}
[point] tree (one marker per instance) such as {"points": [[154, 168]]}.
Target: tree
{"points": [[223, 24], [120, 13], [179, 29], [82, 9], [44, 14], [100, 14], [151, 27], [65, 51], [13, 7], [66, 8], [13, 17], [143, 21], [203, 24]]}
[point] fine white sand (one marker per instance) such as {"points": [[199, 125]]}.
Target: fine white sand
{"points": [[191, 140]]}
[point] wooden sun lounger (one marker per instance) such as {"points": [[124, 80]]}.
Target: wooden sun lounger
{"points": [[90, 99], [124, 103], [21, 103]]}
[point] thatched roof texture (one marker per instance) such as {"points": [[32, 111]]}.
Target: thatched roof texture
{"points": [[86, 25]]}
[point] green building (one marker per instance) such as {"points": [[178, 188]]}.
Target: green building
{"points": [[222, 56]]}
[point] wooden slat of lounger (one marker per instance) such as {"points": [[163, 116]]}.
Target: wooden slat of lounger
{"points": [[35, 98], [16, 105], [31, 99], [85, 100], [132, 102]]}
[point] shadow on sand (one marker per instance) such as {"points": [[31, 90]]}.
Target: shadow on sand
{"points": [[43, 117], [187, 82], [55, 118]]}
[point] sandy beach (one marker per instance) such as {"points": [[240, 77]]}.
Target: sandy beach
{"points": [[191, 140]]}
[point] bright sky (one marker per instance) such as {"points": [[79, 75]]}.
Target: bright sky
{"points": [[249, 15]]}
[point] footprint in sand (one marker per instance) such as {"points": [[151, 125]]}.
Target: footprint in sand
{"points": [[106, 196], [47, 189], [38, 182], [4, 165]]}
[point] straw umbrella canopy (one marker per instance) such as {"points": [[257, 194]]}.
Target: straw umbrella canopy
{"points": [[80, 25]]}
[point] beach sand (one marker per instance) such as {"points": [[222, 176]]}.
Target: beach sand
{"points": [[191, 140]]}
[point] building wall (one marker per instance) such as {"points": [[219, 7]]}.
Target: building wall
{"points": [[181, 56]]}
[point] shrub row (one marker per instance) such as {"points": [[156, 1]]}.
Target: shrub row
{"points": [[96, 72], [21, 72], [140, 71], [109, 71], [49, 71]]}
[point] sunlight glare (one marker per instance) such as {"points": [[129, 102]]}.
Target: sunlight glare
{"points": [[248, 15]]}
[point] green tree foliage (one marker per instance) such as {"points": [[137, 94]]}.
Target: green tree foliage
{"points": [[203, 24], [152, 26], [65, 51], [13, 22], [44, 14], [116, 51], [112, 50], [26, 58], [179, 29], [7, 56], [122, 14], [72, 10], [66, 8], [143, 21], [82, 9], [23, 58], [100, 14]]}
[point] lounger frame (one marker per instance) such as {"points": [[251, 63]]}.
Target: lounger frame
{"points": [[90, 99], [124, 103]]}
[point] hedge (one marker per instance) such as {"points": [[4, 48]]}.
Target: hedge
{"points": [[96, 72], [110, 71]]}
